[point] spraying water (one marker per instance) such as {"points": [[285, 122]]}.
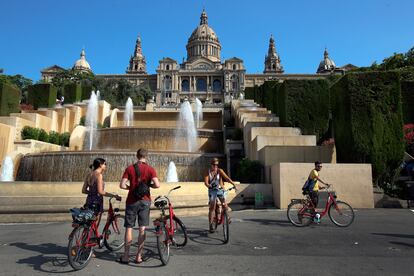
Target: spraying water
{"points": [[172, 173], [98, 95], [128, 113], [7, 169], [199, 112], [92, 119], [186, 123]]}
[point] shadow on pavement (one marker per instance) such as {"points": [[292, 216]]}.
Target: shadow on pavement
{"points": [[283, 223], [395, 235], [202, 236], [46, 261]]}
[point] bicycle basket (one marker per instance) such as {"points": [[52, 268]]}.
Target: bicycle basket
{"points": [[160, 202], [82, 216]]}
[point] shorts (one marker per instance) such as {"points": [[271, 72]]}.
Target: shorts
{"points": [[140, 209], [213, 194]]}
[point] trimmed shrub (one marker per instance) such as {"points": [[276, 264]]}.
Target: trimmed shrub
{"points": [[43, 136], [42, 95], [407, 94], [9, 99], [237, 134], [249, 171], [249, 93], [54, 137], [367, 120], [64, 139], [30, 133], [86, 91], [72, 93], [304, 104]]}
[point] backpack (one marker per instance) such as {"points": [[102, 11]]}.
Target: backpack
{"points": [[142, 189], [308, 186]]}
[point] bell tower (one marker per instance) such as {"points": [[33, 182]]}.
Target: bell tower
{"points": [[137, 63]]}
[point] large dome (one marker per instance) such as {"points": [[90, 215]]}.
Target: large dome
{"points": [[327, 64], [81, 64], [203, 42]]}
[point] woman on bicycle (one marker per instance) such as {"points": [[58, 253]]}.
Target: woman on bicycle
{"points": [[94, 187], [214, 181]]}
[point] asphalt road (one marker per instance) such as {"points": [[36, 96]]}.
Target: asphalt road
{"points": [[262, 242]]}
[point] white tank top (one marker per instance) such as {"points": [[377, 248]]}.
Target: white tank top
{"points": [[214, 180]]}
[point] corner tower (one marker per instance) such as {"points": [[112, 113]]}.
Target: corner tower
{"points": [[137, 63], [272, 59]]}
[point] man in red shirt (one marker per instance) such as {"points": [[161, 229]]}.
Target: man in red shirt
{"points": [[137, 204]]}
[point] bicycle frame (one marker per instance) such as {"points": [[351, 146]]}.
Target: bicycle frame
{"points": [[163, 218], [94, 227], [331, 200], [220, 218]]}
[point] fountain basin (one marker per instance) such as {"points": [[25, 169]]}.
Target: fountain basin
{"points": [[74, 165], [157, 139]]}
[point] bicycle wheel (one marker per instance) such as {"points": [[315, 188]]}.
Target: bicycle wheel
{"points": [[341, 214], [299, 214], [79, 255], [115, 234], [226, 230], [180, 233], [163, 244]]}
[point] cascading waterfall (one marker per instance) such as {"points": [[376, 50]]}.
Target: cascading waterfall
{"points": [[129, 113], [187, 125], [172, 173], [92, 119], [7, 169], [199, 112]]}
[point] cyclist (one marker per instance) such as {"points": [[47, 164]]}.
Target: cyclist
{"points": [[94, 187], [213, 180], [312, 184]]}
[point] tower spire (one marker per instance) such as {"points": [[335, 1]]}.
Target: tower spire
{"points": [[272, 59], [137, 63], [203, 18]]}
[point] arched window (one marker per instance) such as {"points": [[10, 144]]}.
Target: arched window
{"points": [[234, 66], [167, 67], [201, 84], [273, 66], [185, 85], [216, 85], [234, 82], [167, 83]]}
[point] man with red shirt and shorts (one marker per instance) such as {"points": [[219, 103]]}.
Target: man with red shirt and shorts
{"points": [[137, 206]]}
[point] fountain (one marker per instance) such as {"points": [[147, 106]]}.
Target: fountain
{"points": [[98, 95], [7, 169], [186, 124], [129, 113], [92, 119], [199, 112], [172, 173]]}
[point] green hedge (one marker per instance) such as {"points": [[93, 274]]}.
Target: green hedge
{"points": [[304, 104], [42, 95], [41, 135], [9, 99], [249, 171], [86, 91], [407, 94], [72, 93], [367, 119]]}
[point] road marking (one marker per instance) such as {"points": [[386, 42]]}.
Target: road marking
{"points": [[260, 247]]}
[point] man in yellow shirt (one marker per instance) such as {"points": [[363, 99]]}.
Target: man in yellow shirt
{"points": [[315, 180]]}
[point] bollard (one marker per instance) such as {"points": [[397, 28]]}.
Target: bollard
{"points": [[258, 200]]}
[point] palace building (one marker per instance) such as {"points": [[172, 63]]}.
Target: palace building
{"points": [[203, 74]]}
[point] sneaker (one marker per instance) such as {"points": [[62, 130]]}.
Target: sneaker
{"points": [[211, 230]]}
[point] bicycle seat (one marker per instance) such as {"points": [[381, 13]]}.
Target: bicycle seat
{"points": [[160, 202]]}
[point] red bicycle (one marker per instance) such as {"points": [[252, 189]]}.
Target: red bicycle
{"points": [[221, 217], [301, 212], [169, 229], [85, 235]]}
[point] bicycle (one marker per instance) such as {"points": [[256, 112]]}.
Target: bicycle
{"points": [[85, 235], [301, 212], [222, 218], [169, 229]]}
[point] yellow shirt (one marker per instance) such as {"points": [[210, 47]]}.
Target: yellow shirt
{"points": [[313, 175]]}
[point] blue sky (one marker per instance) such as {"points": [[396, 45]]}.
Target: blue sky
{"points": [[38, 34]]}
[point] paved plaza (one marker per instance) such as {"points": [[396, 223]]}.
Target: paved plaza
{"points": [[262, 242]]}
